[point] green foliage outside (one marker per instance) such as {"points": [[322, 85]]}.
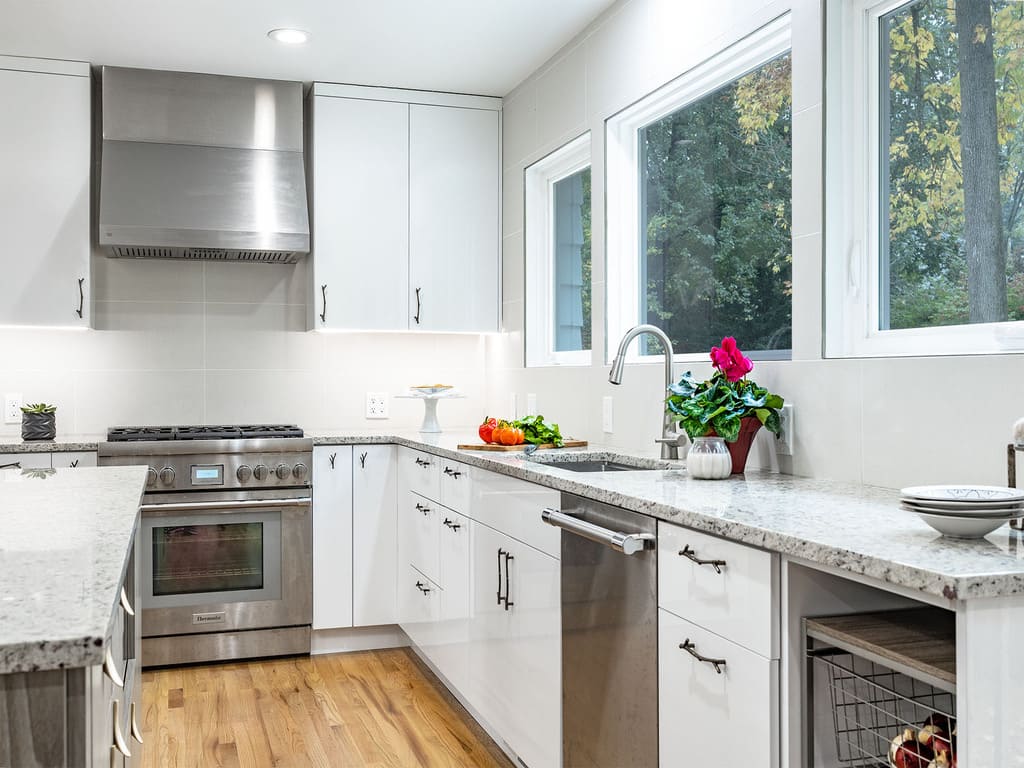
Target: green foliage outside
{"points": [[716, 248], [928, 272]]}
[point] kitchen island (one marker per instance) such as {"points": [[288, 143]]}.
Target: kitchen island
{"points": [[67, 629]]}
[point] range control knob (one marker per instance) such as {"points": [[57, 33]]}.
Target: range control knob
{"points": [[282, 471], [151, 477], [167, 476], [300, 471], [244, 473], [261, 472]]}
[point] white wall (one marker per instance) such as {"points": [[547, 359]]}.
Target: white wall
{"points": [[885, 422], [193, 342]]}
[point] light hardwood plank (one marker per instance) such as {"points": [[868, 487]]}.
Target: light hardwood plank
{"points": [[373, 709]]}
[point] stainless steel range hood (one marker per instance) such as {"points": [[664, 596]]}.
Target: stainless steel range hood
{"points": [[202, 167]]}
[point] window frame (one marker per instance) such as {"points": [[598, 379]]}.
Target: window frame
{"points": [[854, 202], [539, 180], [623, 193]]}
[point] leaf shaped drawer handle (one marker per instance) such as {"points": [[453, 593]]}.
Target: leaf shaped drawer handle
{"points": [[689, 554]]}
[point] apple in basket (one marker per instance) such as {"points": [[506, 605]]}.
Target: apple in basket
{"points": [[905, 751]]}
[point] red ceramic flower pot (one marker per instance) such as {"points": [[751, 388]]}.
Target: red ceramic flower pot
{"points": [[739, 450]]}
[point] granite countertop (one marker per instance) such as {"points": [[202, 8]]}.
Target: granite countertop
{"points": [[60, 444], [854, 528], [63, 552]]}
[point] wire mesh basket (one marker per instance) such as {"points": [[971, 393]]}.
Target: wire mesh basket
{"points": [[872, 704]]}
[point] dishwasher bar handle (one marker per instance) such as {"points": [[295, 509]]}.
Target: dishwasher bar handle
{"points": [[226, 506], [626, 543]]}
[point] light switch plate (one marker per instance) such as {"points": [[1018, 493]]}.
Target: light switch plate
{"points": [[12, 407], [784, 445], [607, 421], [376, 405]]}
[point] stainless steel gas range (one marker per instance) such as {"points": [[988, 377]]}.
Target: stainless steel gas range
{"points": [[227, 540]]}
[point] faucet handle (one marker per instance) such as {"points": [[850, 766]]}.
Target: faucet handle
{"points": [[678, 439]]}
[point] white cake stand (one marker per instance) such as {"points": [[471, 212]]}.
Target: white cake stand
{"points": [[430, 423]]}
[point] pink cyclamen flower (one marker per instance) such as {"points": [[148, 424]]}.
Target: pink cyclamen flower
{"points": [[730, 361]]}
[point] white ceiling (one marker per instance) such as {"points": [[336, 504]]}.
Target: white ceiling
{"points": [[470, 46]]}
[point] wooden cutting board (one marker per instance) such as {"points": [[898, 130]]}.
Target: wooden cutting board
{"points": [[491, 447]]}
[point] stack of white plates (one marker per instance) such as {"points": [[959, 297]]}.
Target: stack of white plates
{"points": [[964, 511]]}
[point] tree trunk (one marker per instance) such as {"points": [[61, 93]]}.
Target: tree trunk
{"points": [[979, 157]]}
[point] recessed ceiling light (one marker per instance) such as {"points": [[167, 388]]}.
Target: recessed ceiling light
{"points": [[288, 36]]}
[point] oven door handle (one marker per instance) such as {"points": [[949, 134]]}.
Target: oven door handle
{"points": [[224, 506]]}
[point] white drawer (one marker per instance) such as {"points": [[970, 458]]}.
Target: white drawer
{"points": [[514, 507], [419, 605], [737, 600], [707, 718], [419, 525], [420, 473], [456, 485]]}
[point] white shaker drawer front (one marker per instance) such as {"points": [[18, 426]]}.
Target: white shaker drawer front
{"points": [[419, 605], [419, 529], [514, 507], [728, 588], [420, 473], [712, 715], [456, 485]]}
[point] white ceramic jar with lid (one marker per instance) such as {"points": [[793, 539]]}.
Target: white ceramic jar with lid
{"points": [[709, 459]]}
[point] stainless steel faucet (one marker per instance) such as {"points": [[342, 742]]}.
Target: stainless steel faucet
{"points": [[669, 436]]}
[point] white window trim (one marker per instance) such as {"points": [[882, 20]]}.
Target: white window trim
{"points": [[540, 179], [852, 192], [622, 162]]}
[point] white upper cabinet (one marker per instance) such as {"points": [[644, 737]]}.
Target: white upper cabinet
{"points": [[406, 210], [360, 213], [44, 191], [454, 184]]}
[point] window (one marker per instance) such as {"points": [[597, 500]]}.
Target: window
{"points": [[558, 257], [926, 239], [699, 188]]}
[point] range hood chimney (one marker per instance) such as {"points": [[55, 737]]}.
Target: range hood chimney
{"points": [[202, 167]]}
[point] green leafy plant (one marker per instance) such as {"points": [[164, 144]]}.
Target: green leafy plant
{"points": [[38, 408], [718, 405], [536, 431]]}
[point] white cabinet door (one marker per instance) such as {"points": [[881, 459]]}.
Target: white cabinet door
{"points": [[711, 718], [454, 194], [360, 213], [418, 472], [515, 678], [374, 535], [332, 536], [514, 506], [44, 192]]}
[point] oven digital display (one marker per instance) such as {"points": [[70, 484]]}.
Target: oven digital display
{"points": [[207, 474]]}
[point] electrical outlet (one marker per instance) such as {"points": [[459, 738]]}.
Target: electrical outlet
{"points": [[12, 407], [531, 404], [606, 414], [784, 445], [376, 405]]}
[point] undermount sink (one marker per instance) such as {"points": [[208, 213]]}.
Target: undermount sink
{"points": [[583, 462]]}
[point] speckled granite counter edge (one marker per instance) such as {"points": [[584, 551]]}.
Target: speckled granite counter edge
{"points": [[48, 446], [885, 571]]}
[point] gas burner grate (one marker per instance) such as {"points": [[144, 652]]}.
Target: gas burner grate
{"points": [[203, 432]]}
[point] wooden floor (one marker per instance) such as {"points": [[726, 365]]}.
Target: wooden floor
{"points": [[373, 708]]}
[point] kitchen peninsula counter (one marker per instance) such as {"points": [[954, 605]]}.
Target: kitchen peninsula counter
{"points": [[65, 539]]}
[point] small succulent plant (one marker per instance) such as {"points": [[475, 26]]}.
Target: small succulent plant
{"points": [[38, 408]]}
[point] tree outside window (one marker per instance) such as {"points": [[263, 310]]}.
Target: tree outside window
{"points": [[716, 180], [952, 163]]}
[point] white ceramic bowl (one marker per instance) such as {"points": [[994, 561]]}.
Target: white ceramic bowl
{"points": [[933, 508], [962, 527]]}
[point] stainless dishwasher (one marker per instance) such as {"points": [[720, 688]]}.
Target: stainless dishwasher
{"points": [[609, 635]]}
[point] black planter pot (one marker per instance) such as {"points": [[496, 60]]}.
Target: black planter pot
{"points": [[38, 426]]}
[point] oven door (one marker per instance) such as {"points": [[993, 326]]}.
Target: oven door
{"points": [[225, 561]]}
